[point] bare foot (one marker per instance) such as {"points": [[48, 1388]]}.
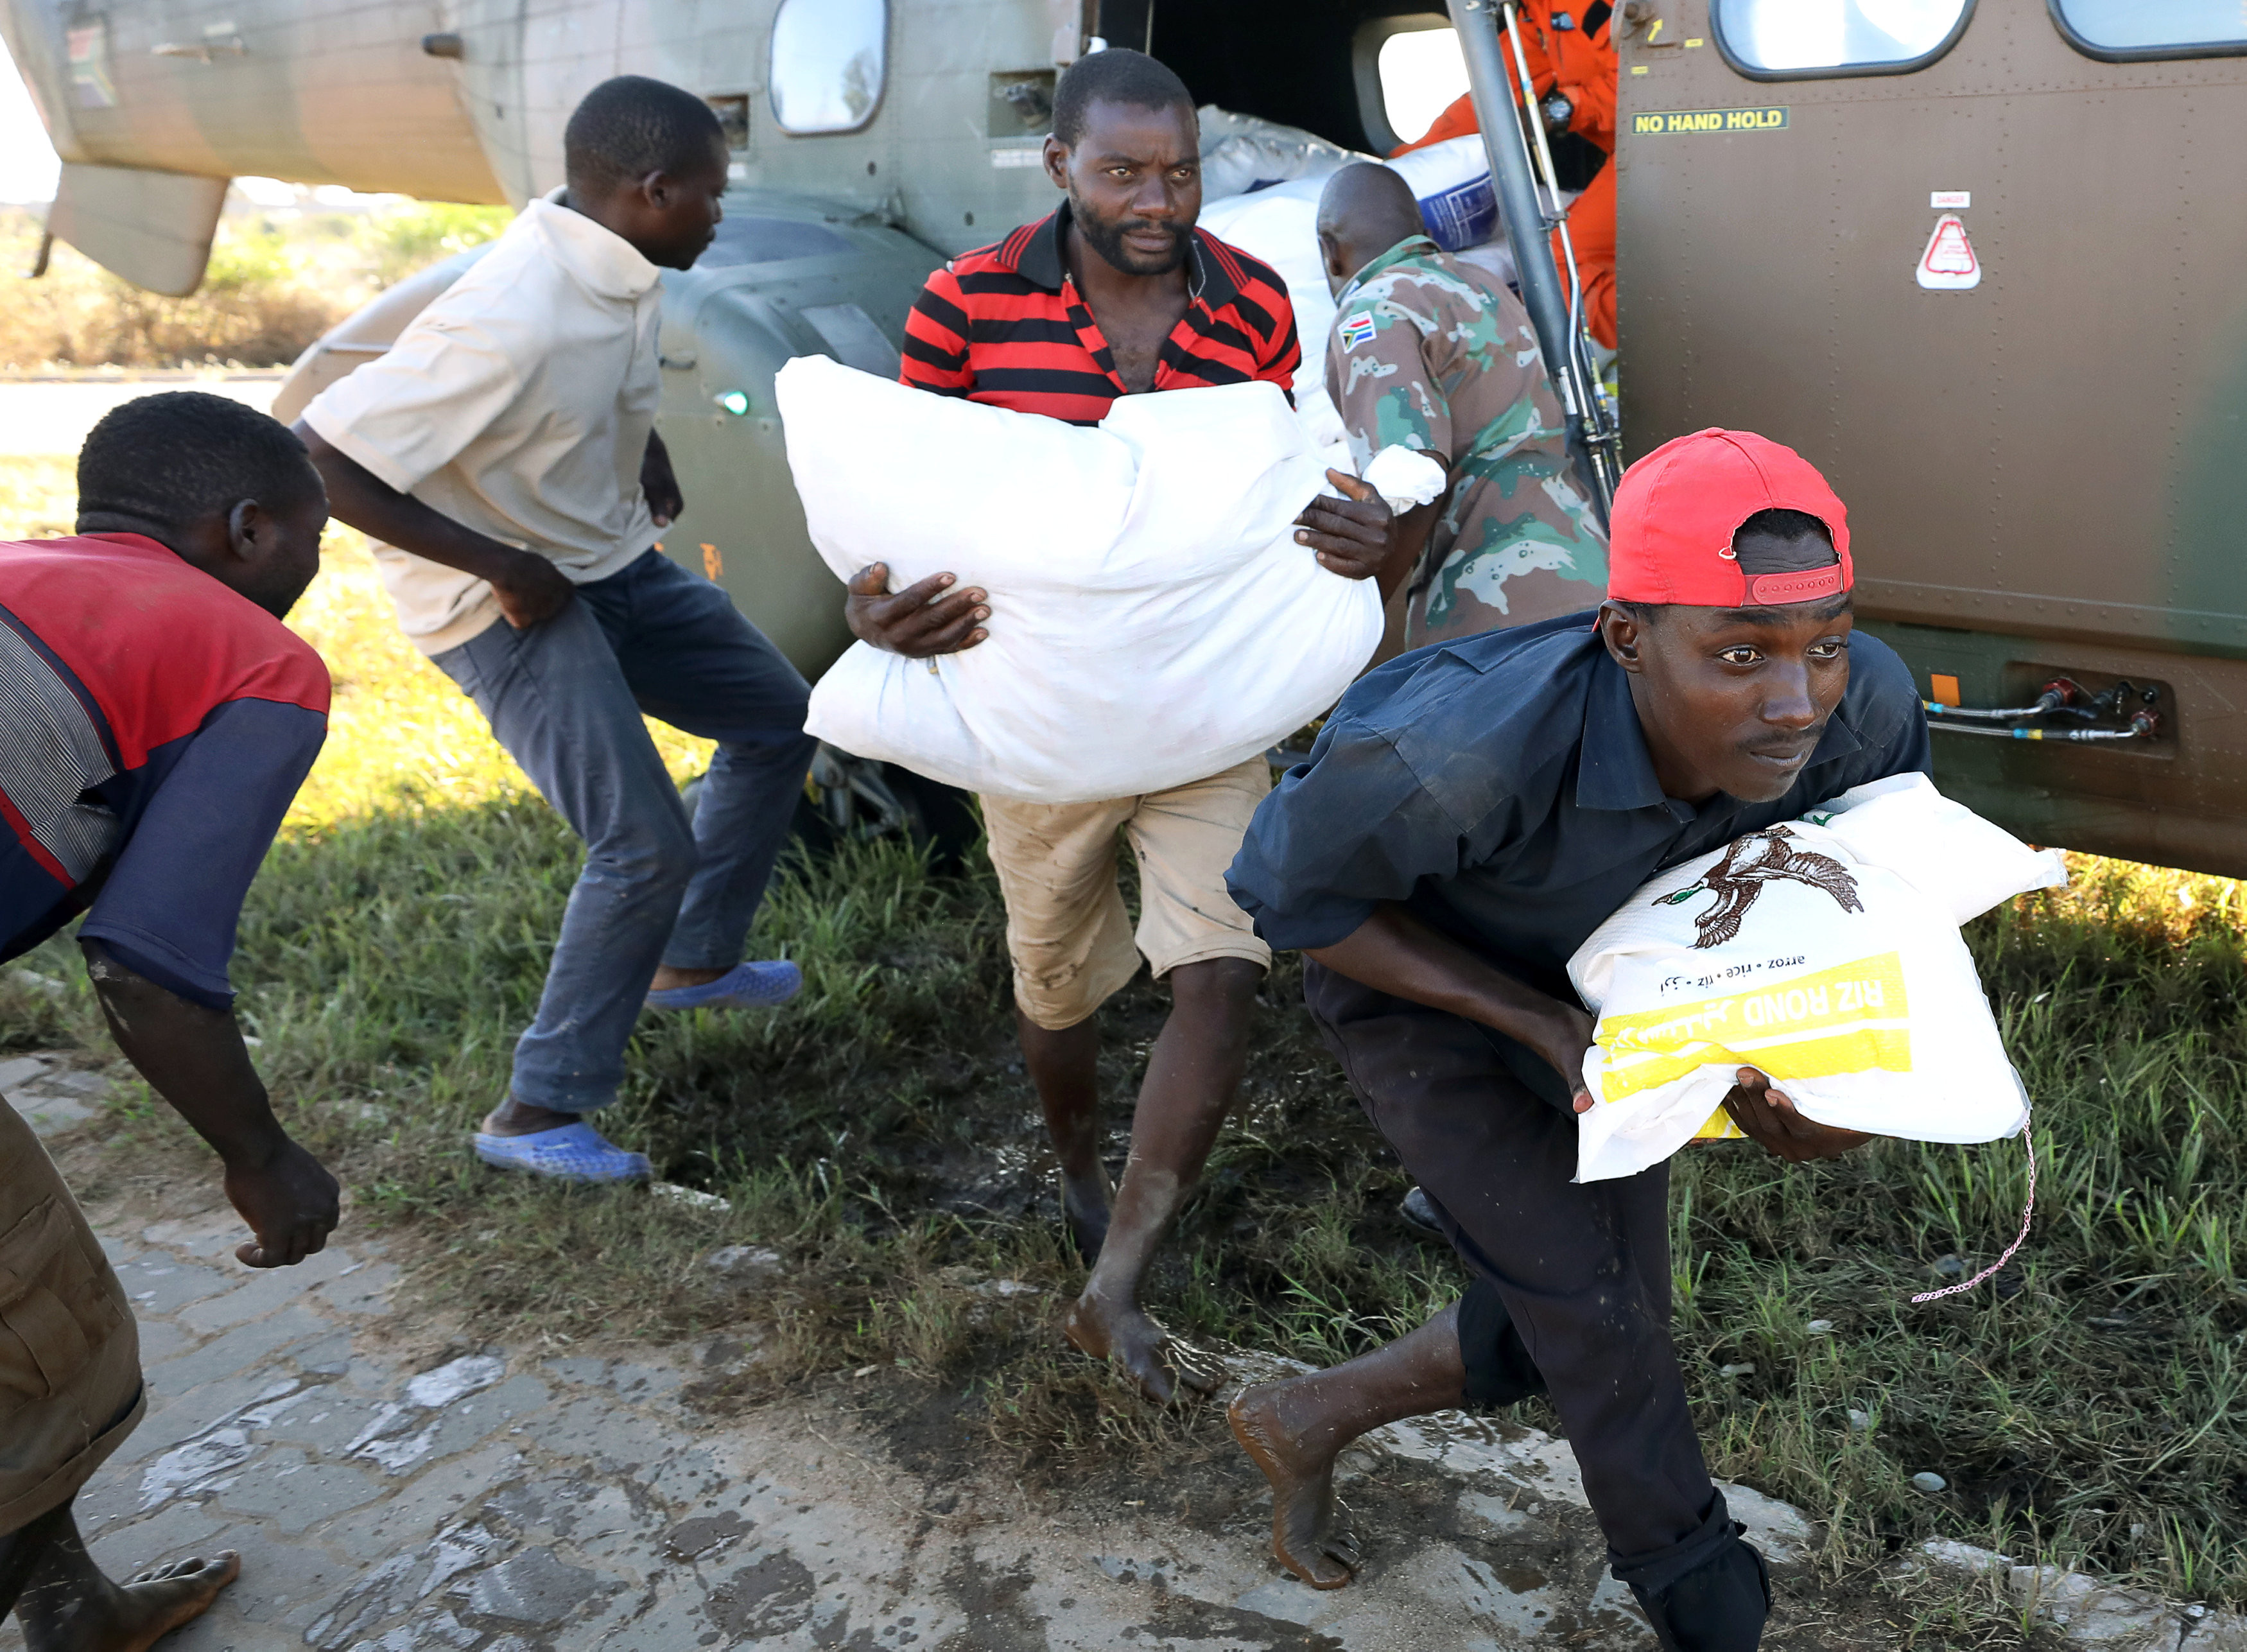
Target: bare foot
{"points": [[1306, 1538], [131, 1616], [1084, 1212], [1127, 1338]]}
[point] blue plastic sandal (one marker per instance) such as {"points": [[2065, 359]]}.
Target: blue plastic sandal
{"points": [[758, 984], [571, 1153]]}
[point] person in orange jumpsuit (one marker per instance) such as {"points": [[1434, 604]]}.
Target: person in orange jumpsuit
{"points": [[1572, 60]]}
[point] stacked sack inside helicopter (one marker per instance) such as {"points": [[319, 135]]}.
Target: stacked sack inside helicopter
{"points": [[1262, 182]]}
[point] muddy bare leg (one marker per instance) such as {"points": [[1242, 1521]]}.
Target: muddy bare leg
{"points": [[1192, 1078], [1064, 1066], [65, 1604], [1295, 1430]]}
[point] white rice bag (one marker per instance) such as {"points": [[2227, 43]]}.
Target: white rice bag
{"points": [[1153, 620], [1406, 478], [1451, 180], [1824, 953]]}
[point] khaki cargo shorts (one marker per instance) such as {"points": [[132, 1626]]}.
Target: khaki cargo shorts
{"points": [[1067, 931], [70, 1355]]}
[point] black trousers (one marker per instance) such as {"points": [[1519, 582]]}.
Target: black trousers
{"points": [[1581, 1271]]}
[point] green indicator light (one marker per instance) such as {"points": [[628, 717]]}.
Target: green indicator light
{"points": [[736, 402]]}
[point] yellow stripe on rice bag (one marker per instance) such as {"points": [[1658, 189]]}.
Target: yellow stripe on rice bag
{"points": [[1720, 1127], [1847, 1020]]}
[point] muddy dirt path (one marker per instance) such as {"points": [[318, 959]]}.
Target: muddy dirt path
{"points": [[394, 1484]]}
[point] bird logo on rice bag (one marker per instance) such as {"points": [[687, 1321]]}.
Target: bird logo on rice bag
{"points": [[1736, 881]]}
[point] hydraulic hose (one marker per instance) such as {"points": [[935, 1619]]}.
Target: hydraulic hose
{"points": [[2055, 696], [2144, 726]]}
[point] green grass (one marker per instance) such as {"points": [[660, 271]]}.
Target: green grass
{"points": [[2091, 1417], [879, 1134], [36, 497]]}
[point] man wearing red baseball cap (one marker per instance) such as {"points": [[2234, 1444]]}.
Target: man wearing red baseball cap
{"points": [[1471, 813]]}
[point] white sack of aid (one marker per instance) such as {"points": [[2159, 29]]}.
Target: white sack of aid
{"points": [[1824, 953], [1153, 621]]}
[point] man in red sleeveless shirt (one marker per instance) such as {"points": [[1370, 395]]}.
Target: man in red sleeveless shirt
{"points": [[1118, 293], [156, 719]]}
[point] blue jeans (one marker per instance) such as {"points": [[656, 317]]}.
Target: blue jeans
{"points": [[565, 699]]}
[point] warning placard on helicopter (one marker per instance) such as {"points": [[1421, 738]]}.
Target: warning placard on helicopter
{"points": [[1653, 124], [1949, 263]]}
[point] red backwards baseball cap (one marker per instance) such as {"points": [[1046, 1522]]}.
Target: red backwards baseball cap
{"points": [[1669, 537]]}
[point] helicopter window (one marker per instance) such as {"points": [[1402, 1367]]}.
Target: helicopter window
{"points": [[2121, 30], [1798, 39], [1421, 74], [829, 60], [1407, 68], [748, 240]]}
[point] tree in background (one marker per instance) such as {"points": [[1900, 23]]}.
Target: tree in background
{"points": [[277, 280]]}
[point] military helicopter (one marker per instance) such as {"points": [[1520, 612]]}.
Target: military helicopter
{"points": [[1958, 252]]}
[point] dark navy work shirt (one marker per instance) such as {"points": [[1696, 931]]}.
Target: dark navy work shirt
{"points": [[1499, 788]]}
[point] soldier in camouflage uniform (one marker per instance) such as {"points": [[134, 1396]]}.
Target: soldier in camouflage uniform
{"points": [[1437, 354]]}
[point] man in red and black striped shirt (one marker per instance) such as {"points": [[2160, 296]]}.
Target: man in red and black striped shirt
{"points": [[1012, 322], [1115, 294]]}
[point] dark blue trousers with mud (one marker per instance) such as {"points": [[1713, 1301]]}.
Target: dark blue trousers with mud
{"points": [[1582, 1271]]}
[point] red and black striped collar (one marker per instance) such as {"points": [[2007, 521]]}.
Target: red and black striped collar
{"points": [[1213, 275]]}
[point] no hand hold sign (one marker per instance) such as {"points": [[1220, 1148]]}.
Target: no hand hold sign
{"points": [[1652, 124]]}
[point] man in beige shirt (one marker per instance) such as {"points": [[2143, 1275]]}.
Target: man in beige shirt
{"points": [[505, 453]]}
